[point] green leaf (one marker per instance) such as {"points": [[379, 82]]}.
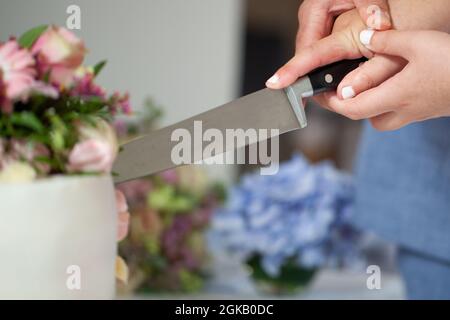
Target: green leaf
{"points": [[58, 124], [166, 198], [30, 37], [27, 119], [98, 67], [45, 159], [181, 204], [290, 278], [57, 140], [160, 199], [61, 134], [46, 77]]}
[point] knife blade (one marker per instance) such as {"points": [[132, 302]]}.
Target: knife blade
{"points": [[265, 109]]}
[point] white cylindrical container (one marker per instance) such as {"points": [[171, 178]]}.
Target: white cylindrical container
{"points": [[58, 239]]}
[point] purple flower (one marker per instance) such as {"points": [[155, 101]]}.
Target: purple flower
{"points": [[86, 87], [121, 128], [169, 176], [121, 103], [136, 191]]}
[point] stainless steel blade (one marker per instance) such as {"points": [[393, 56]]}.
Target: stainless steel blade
{"points": [[265, 109]]}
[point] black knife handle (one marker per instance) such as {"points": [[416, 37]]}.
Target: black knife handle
{"points": [[327, 78]]}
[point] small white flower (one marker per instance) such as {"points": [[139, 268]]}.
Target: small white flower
{"points": [[17, 172]]}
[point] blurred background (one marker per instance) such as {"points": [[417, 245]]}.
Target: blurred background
{"points": [[189, 56]]}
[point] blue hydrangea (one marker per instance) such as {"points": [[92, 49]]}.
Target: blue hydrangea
{"points": [[301, 212]]}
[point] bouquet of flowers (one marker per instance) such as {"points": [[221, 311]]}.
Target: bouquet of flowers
{"points": [[54, 118], [286, 226], [55, 121], [165, 250]]}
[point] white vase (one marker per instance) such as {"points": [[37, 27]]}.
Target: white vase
{"points": [[58, 239]]}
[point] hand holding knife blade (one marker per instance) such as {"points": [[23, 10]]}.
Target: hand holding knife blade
{"points": [[264, 109]]}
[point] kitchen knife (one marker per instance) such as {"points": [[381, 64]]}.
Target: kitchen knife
{"points": [[264, 109]]}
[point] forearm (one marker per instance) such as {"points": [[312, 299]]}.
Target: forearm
{"points": [[421, 14]]}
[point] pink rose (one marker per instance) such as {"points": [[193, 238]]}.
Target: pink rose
{"points": [[6, 104], [16, 74], [60, 52], [92, 155], [96, 150]]}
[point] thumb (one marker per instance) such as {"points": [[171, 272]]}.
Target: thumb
{"points": [[375, 13], [333, 48], [392, 42]]}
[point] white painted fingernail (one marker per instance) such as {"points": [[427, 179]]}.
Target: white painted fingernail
{"points": [[348, 93], [274, 80], [366, 36]]}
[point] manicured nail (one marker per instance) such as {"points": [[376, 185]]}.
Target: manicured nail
{"points": [[273, 81], [379, 20], [366, 36], [348, 93]]}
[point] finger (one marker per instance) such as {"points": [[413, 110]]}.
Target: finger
{"points": [[375, 13], [328, 50], [121, 202], [369, 75], [371, 103], [306, 38], [315, 23], [392, 42], [388, 122], [324, 99], [338, 7], [122, 271], [122, 226]]}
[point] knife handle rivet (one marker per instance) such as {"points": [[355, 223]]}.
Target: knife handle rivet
{"points": [[328, 78]]}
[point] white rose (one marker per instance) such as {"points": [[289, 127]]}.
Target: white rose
{"points": [[17, 172], [102, 131]]}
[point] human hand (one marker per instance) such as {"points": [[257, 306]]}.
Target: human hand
{"points": [[348, 29], [122, 272], [123, 216], [315, 46], [344, 43], [420, 91]]}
